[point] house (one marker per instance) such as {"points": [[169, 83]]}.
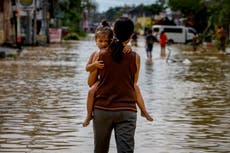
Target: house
{"points": [[7, 22], [22, 21]]}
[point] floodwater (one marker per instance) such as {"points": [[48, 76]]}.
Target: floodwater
{"points": [[43, 101]]}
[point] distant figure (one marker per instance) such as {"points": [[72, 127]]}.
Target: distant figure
{"points": [[163, 41], [134, 39], [149, 41], [220, 33], [194, 41]]}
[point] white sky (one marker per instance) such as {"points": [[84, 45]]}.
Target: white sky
{"points": [[104, 5]]}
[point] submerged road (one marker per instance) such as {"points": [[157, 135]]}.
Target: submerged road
{"points": [[43, 101]]}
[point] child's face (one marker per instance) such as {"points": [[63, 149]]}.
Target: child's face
{"points": [[102, 41]]}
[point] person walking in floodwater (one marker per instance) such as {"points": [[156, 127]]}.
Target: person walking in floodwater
{"points": [[163, 41], [194, 41], [220, 33], [115, 97], [103, 38], [134, 39], [149, 41]]}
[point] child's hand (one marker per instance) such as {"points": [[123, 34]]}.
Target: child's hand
{"points": [[127, 49], [99, 64]]}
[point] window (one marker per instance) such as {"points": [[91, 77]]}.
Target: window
{"points": [[191, 31], [173, 30], [156, 29]]}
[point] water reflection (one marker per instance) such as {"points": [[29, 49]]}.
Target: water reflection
{"points": [[43, 96]]}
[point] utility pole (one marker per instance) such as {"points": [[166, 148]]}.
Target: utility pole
{"points": [[17, 27], [35, 23], [45, 20], [28, 29]]}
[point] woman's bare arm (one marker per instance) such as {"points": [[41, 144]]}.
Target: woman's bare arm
{"points": [[138, 68]]}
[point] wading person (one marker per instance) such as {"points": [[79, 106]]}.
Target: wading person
{"points": [[115, 97], [220, 33], [103, 38], [149, 41], [163, 41]]}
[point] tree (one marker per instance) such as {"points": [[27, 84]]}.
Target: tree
{"points": [[186, 7], [219, 12], [154, 8], [194, 10], [71, 12]]}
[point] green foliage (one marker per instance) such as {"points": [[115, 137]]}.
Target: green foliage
{"points": [[71, 13], [194, 10], [186, 6], [72, 36], [219, 11], [113, 13], [154, 8], [207, 14]]}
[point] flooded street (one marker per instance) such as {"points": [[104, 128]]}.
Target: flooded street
{"points": [[43, 101]]}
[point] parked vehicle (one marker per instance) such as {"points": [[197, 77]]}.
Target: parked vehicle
{"points": [[175, 34]]}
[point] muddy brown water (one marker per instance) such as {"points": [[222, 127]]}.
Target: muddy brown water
{"points": [[43, 99]]}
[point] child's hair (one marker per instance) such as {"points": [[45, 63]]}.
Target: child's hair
{"points": [[123, 29], [104, 23], [104, 29]]}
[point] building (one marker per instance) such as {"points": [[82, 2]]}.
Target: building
{"points": [[24, 21], [8, 21]]}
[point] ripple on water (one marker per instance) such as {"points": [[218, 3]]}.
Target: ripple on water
{"points": [[43, 102]]}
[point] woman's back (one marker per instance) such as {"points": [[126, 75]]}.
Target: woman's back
{"points": [[116, 87]]}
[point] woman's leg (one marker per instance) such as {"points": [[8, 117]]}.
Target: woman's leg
{"points": [[141, 104], [102, 128], [124, 131]]}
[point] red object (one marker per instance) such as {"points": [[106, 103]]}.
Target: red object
{"points": [[163, 39], [16, 13], [19, 39]]}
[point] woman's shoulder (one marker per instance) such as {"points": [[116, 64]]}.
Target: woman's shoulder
{"points": [[134, 53], [105, 51]]}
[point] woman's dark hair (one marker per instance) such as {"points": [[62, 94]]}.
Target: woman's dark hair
{"points": [[123, 29]]}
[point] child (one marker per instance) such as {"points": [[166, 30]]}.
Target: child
{"points": [[103, 38], [163, 41], [149, 41]]}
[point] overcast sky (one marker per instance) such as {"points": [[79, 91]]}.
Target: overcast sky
{"points": [[104, 5]]}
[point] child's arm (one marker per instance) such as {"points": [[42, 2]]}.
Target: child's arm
{"points": [[93, 63], [89, 65], [138, 68], [93, 77]]}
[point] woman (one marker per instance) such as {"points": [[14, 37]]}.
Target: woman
{"points": [[115, 97]]}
